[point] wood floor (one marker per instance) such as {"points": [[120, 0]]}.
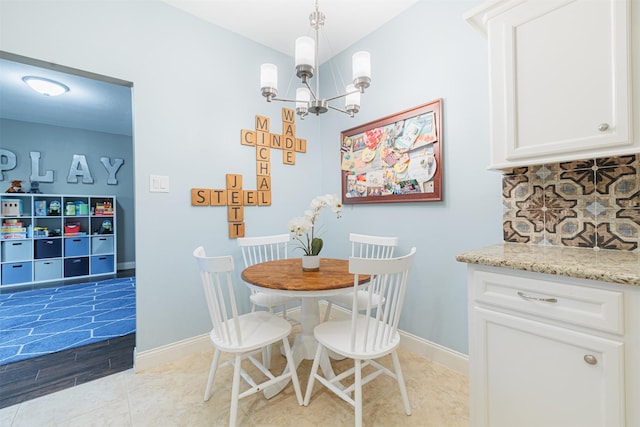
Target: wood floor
{"points": [[38, 376], [31, 378]]}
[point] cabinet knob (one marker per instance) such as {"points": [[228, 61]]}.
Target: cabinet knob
{"points": [[603, 127], [590, 359]]}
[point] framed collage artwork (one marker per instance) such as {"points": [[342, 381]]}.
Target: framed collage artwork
{"points": [[395, 159]]}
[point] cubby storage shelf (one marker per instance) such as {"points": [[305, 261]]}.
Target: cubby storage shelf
{"points": [[56, 237]]}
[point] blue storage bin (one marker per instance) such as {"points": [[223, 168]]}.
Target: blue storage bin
{"points": [[17, 272], [76, 267], [101, 264], [76, 246], [16, 250], [48, 248], [101, 245], [50, 269]]}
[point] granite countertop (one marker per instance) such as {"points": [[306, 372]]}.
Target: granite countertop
{"points": [[603, 265]]}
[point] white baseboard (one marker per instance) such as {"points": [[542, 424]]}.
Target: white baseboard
{"points": [[437, 353], [126, 265], [451, 359], [171, 352]]}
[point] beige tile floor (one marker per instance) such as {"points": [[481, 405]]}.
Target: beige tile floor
{"points": [[172, 395]]}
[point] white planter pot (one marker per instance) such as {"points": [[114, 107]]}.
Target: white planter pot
{"points": [[311, 263]]}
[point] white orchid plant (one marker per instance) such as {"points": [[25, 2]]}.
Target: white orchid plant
{"points": [[303, 228]]}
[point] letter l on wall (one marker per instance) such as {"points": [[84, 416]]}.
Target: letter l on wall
{"points": [[35, 169]]}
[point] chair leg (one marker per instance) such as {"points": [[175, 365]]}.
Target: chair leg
{"points": [[266, 351], [403, 388], [266, 356], [235, 391], [212, 374], [292, 369], [358, 392], [284, 311], [312, 375], [327, 311]]}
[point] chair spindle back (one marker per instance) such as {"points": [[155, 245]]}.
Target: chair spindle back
{"points": [[377, 329], [216, 275], [364, 246], [264, 248]]}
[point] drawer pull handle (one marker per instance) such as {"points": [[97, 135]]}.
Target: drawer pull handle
{"points": [[603, 127], [530, 298], [590, 359]]}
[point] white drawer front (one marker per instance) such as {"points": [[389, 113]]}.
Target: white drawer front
{"points": [[584, 306]]}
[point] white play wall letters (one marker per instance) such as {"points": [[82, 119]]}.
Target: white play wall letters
{"points": [[79, 168]]}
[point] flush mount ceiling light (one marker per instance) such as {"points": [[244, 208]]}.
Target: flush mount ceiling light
{"points": [[44, 86], [306, 55]]}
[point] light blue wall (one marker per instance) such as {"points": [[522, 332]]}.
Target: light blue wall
{"points": [[196, 86], [428, 53], [56, 146]]}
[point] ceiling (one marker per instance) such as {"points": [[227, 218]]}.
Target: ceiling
{"points": [[277, 23], [90, 104], [99, 105]]}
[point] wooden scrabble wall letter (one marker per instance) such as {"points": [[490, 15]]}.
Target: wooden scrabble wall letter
{"points": [[234, 196]]}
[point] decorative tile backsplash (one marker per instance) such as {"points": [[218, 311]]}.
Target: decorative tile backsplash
{"points": [[591, 203]]}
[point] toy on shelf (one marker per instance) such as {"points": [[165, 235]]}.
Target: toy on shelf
{"points": [[13, 229], [70, 209], [40, 207], [72, 229], [35, 187], [82, 208], [40, 232], [54, 208], [103, 208], [106, 227], [11, 207], [16, 187]]}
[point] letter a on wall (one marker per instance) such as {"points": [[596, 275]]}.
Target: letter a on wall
{"points": [[78, 167]]}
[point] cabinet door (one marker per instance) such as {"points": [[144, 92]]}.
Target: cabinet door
{"points": [[527, 373], [560, 85]]}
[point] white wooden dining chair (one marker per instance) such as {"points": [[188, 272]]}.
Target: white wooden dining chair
{"points": [[366, 337], [242, 335], [262, 249], [363, 246]]}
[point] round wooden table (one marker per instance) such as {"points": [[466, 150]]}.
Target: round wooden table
{"points": [[286, 277]]}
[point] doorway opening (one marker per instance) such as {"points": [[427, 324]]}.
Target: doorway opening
{"points": [[60, 143]]}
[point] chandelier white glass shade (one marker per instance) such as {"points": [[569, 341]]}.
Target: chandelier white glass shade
{"points": [[306, 54], [44, 86]]}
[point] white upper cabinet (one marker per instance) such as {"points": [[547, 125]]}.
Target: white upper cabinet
{"points": [[561, 84]]}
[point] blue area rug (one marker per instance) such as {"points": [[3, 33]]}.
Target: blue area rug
{"points": [[42, 321]]}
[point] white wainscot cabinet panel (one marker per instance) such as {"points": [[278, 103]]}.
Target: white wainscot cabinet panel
{"points": [[541, 375]]}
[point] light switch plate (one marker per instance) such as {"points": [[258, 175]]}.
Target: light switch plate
{"points": [[158, 183]]}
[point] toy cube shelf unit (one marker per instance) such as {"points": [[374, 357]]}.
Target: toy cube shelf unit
{"points": [[53, 237]]}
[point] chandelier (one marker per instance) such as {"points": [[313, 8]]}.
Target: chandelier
{"points": [[306, 55]]}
